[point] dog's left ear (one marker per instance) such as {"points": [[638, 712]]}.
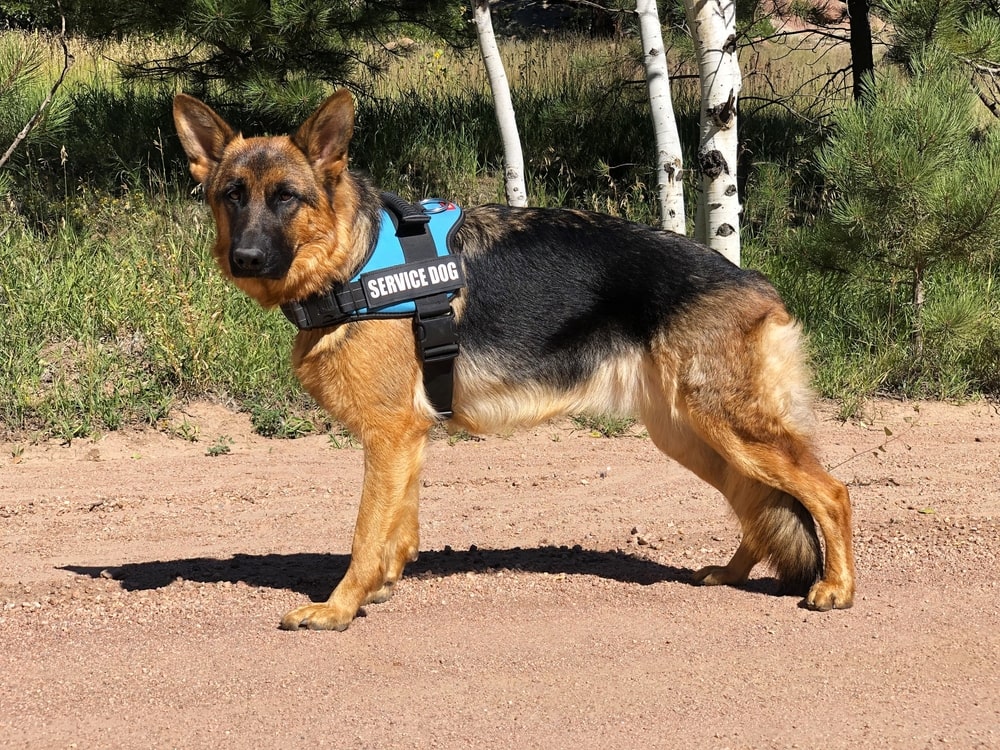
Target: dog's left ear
{"points": [[203, 134], [324, 137]]}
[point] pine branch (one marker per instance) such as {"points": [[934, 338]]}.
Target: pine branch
{"points": [[40, 112], [986, 75]]}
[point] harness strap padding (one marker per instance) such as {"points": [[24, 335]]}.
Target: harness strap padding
{"points": [[434, 328]]}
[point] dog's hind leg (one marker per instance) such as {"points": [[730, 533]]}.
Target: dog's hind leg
{"points": [[780, 529], [776, 527], [734, 410], [386, 535], [798, 473], [678, 441]]}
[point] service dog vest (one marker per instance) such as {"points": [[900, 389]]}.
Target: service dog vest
{"points": [[409, 271]]}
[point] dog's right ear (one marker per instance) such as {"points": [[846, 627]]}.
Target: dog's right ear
{"points": [[203, 134]]}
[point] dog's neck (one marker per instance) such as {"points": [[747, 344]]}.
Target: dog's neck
{"points": [[364, 219]]}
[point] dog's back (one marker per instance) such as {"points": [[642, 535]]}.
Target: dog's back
{"points": [[574, 285]]}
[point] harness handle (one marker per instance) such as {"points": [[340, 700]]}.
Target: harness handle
{"points": [[411, 219]]}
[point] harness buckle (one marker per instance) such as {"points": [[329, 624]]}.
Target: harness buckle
{"points": [[437, 336], [322, 310]]}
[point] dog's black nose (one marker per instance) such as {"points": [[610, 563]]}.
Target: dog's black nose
{"points": [[248, 260]]}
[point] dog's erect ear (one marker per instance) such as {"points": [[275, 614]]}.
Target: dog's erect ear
{"points": [[203, 134], [324, 137]]}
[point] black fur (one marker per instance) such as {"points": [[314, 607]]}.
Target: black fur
{"points": [[560, 291]]}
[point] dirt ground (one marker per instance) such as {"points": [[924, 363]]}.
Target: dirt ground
{"points": [[141, 583]]}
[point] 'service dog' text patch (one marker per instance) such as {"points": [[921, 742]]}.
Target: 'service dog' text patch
{"points": [[410, 281]]}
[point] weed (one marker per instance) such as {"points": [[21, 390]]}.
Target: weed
{"points": [[186, 431], [462, 436], [278, 422], [339, 438], [220, 447], [603, 425]]}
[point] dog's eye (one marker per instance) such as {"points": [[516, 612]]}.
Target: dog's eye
{"points": [[286, 195], [234, 194]]}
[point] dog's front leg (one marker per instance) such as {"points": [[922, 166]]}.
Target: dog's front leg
{"points": [[386, 535]]}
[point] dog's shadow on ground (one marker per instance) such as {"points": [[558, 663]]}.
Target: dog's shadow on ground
{"points": [[314, 574]]}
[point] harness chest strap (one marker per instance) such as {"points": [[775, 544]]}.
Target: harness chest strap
{"points": [[421, 287]]}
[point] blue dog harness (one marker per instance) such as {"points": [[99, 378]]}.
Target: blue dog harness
{"points": [[410, 271]]}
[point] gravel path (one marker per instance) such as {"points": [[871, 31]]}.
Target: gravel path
{"points": [[141, 583]]}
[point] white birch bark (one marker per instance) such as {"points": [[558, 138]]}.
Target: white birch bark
{"points": [[717, 218], [517, 194], [669, 160]]}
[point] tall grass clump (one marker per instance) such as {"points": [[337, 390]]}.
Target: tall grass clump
{"points": [[108, 325]]}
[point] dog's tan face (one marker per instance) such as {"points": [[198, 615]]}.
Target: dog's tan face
{"points": [[283, 212]]}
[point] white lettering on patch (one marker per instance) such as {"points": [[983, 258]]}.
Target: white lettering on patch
{"points": [[408, 282], [443, 272]]}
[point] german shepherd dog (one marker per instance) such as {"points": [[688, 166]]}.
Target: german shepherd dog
{"points": [[563, 312]]}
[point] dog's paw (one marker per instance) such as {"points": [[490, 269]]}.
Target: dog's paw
{"points": [[317, 617], [384, 594], [716, 575], [825, 596]]}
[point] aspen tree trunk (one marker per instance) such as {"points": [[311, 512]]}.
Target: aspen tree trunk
{"points": [[669, 161], [713, 27], [513, 159]]}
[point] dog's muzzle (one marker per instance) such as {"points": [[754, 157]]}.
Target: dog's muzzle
{"points": [[254, 262]]}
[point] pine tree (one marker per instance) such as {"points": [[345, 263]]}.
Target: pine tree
{"points": [[967, 30], [277, 58], [915, 179], [29, 113]]}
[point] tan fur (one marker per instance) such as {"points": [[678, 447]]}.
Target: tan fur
{"points": [[722, 390], [486, 404], [754, 443]]}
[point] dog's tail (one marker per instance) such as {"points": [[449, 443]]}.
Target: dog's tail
{"points": [[785, 533]]}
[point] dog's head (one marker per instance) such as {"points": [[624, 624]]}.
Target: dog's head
{"points": [[284, 206]]}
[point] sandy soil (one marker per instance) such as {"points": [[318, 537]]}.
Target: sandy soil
{"points": [[141, 583]]}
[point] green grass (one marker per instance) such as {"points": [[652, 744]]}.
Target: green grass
{"points": [[118, 313], [603, 425], [859, 330]]}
